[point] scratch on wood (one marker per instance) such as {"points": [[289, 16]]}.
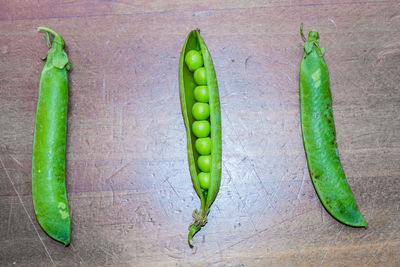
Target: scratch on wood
{"points": [[113, 116], [246, 61], [240, 198], [331, 243], [173, 189], [302, 181], [383, 246], [323, 259], [120, 169], [252, 165], [266, 192], [373, 257], [120, 121], [170, 11], [103, 88], [9, 219], [340, 231], [241, 241], [113, 194], [175, 257], [19, 163], [266, 229], [333, 21], [82, 262], [202, 12], [105, 252], [26, 211]]}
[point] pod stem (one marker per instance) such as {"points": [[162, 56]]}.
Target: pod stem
{"points": [[199, 220], [301, 32], [48, 40], [57, 38], [193, 229]]}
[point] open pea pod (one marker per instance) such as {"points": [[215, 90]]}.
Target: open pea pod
{"points": [[187, 85], [319, 136]]}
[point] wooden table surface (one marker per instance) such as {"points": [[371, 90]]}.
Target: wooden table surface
{"points": [[129, 189]]}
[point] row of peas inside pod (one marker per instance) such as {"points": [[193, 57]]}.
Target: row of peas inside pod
{"points": [[201, 114]]}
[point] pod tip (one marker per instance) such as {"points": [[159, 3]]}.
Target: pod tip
{"points": [[41, 28], [364, 223], [193, 229], [64, 238], [190, 241], [58, 230], [357, 220]]}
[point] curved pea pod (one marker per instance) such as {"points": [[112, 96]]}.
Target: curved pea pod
{"points": [[319, 136], [48, 160], [186, 86]]}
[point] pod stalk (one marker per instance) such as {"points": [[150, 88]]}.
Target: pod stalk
{"points": [[57, 38], [301, 32], [193, 229]]}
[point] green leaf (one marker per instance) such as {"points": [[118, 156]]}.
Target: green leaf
{"points": [[308, 47], [60, 59], [322, 50], [48, 40]]}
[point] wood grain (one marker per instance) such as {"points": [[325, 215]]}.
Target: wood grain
{"points": [[129, 188]]}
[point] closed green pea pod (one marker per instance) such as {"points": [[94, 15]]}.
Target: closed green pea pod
{"points": [[49, 194], [319, 136], [187, 86]]}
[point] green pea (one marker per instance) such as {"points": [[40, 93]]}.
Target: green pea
{"points": [[203, 146], [319, 136], [49, 195], [189, 94], [201, 128], [200, 76], [204, 163], [201, 93], [201, 111], [194, 60], [205, 180]]}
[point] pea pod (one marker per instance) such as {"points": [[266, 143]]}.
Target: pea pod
{"points": [[187, 85], [48, 160], [319, 136]]}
